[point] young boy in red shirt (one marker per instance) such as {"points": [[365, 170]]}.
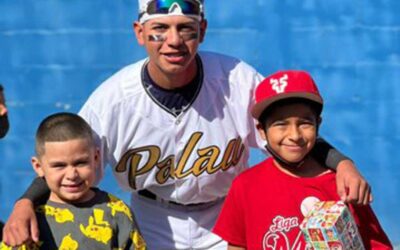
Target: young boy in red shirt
{"points": [[265, 204]]}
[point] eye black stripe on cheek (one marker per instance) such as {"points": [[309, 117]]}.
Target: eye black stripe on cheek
{"points": [[156, 38]]}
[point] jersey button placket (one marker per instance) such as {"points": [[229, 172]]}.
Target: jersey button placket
{"points": [[179, 145], [178, 120]]}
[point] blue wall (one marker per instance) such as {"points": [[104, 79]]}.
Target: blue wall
{"points": [[53, 53]]}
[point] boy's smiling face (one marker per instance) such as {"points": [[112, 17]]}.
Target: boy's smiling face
{"points": [[69, 169], [291, 130]]}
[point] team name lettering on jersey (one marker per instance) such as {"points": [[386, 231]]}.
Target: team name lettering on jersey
{"points": [[206, 161], [277, 238], [283, 224]]}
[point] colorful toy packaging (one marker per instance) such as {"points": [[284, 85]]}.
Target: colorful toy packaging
{"points": [[330, 225]]}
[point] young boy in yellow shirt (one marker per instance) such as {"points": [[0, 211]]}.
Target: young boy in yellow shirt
{"points": [[77, 215]]}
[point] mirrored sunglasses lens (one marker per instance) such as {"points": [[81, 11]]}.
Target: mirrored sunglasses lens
{"points": [[163, 6]]}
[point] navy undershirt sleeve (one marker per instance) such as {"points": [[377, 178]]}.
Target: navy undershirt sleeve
{"points": [[327, 155]]}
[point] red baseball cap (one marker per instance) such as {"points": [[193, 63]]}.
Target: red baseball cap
{"points": [[282, 85]]}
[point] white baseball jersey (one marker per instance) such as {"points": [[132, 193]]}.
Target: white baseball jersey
{"points": [[189, 158]]}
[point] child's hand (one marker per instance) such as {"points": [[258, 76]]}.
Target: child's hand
{"points": [[351, 186], [21, 226]]}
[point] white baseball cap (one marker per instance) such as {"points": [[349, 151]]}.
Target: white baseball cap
{"points": [[149, 9]]}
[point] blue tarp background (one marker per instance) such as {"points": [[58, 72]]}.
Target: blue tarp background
{"points": [[53, 53]]}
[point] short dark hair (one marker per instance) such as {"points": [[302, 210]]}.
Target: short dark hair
{"points": [[61, 127], [315, 107]]}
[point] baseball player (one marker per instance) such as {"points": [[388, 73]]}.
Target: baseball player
{"points": [[176, 129]]}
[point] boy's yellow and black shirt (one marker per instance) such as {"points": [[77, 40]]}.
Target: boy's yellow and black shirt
{"points": [[104, 222]]}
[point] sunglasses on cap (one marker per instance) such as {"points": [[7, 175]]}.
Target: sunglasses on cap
{"points": [[188, 7]]}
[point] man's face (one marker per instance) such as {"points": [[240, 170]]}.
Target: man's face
{"points": [[69, 169], [171, 43]]}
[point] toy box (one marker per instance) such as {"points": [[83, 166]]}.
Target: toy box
{"points": [[330, 225]]}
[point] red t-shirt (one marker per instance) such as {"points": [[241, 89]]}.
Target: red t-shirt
{"points": [[263, 210]]}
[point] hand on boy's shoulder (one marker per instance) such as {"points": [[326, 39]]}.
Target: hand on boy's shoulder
{"points": [[351, 186], [21, 226]]}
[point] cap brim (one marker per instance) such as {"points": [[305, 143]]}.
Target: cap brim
{"points": [[261, 106]]}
